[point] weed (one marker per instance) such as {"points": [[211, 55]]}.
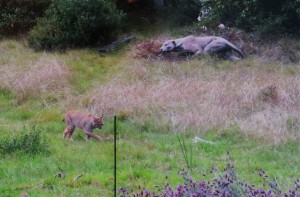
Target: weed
{"points": [[187, 158], [225, 183], [48, 183], [24, 143]]}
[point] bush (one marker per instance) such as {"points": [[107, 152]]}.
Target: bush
{"points": [[75, 23], [23, 143], [18, 16], [181, 12], [256, 15]]}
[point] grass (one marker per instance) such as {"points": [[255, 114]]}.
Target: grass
{"points": [[230, 104], [143, 159], [88, 68], [203, 95]]}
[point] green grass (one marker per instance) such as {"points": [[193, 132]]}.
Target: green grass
{"points": [[89, 67], [146, 153], [143, 159]]}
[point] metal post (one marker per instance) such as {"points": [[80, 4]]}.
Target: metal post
{"points": [[115, 155]]}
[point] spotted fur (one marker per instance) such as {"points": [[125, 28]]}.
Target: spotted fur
{"points": [[85, 122]]}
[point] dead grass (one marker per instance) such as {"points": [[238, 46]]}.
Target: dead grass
{"points": [[259, 97], [284, 51], [42, 75], [190, 95]]}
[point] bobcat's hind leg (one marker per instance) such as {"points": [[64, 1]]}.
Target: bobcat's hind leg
{"points": [[68, 132]]}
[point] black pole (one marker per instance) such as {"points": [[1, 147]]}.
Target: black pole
{"points": [[115, 155]]}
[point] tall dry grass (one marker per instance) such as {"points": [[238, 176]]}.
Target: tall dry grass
{"points": [[195, 94], [255, 95], [41, 75]]}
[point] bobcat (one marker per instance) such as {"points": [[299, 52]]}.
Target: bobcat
{"points": [[83, 121]]}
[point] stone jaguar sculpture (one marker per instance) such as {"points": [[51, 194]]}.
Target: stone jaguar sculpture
{"points": [[202, 46], [86, 122]]}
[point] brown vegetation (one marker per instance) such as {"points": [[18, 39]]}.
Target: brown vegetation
{"points": [[43, 75], [195, 94], [258, 95]]}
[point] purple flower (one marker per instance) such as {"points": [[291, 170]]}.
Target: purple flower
{"points": [[147, 192], [202, 183], [122, 190]]}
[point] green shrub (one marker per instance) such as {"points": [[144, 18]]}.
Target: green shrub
{"points": [[23, 143], [18, 16], [256, 15], [189, 9], [181, 12], [75, 23]]}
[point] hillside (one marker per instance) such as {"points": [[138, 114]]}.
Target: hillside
{"points": [[250, 108]]}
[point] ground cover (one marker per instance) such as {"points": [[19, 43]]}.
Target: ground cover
{"points": [[249, 109]]}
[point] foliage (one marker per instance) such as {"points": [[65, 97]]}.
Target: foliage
{"points": [[18, 16], [24, 143], [223, 184], [76, 23], [255, 15], [181, 12]]}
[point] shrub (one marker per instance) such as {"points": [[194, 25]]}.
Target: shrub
{"points": [[18, 16], [24, 143], [181, 12], [75, 23], [256, 15]]}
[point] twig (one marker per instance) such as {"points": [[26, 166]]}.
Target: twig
{"points": [[77, 177]]}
